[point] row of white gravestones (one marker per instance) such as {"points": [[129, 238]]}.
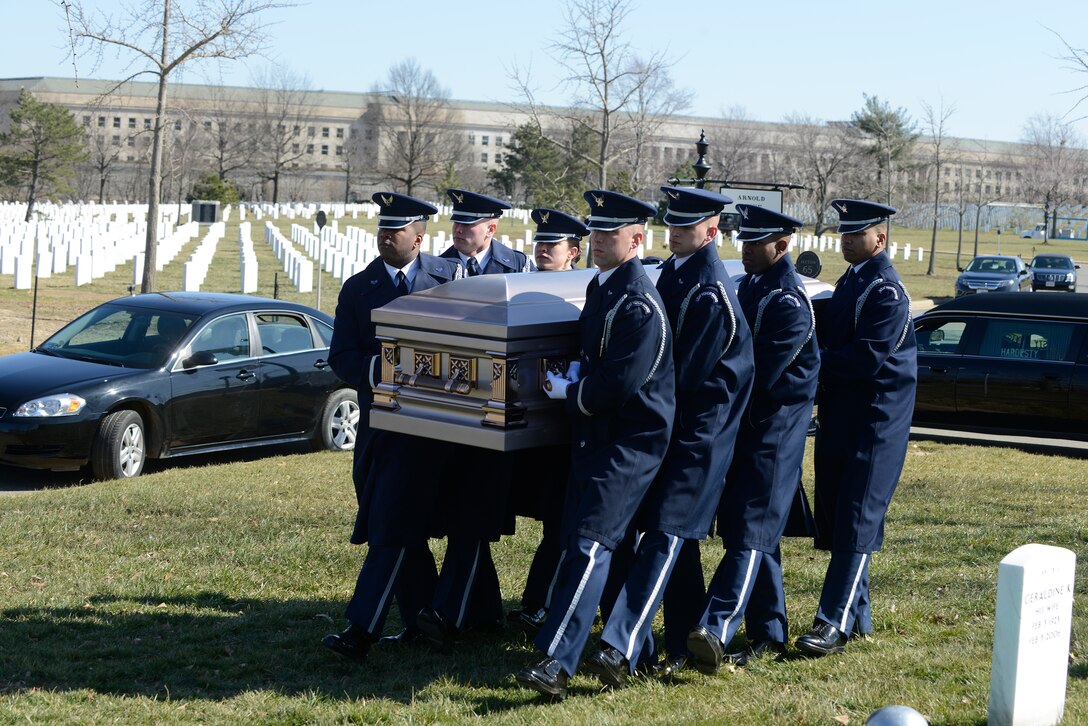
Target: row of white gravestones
{"points": [[247, 258], [196, 268], [299, 268], [170, 245]]}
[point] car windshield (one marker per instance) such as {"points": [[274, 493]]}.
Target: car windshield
{"points": [[993, 265], [114, 334], [1052, 263]]}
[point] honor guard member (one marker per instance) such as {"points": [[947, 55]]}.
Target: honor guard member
{"points": [[712, 354], [476, 482], [868, 375], [620, 398], [765, 478], [388, 467], [543, 473]]}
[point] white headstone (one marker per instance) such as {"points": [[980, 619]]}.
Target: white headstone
{"points": [[1031, 636]]}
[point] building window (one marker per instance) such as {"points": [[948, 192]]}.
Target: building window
{"points": [[472, 139], [498, 141], [132, 122], [131, 140], [324, 149], [483, 157], [147, 124], [116, 122], [483, 141], [177, 125], [116, 140], [498, 158], [310, 131], [324, 132], [309, 148], [294, 148], [369, 135], [339, 150], [86, 120], [340, 133], [101, 121]]}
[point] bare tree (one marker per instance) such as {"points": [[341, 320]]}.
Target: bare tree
{"points": [[732, 146], [654, 101], [159, 36], [818, 153], [935, 122], [1054, 167], [417, 138], [229, 145], [284, 125]]}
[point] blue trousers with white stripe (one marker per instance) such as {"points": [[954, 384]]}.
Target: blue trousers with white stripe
{"points": [[747, 583], [845, 601], [582, 576], [467, 591], [685, 594], [383, 570], [629, 628]]}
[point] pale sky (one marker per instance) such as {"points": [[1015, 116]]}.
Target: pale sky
{"points": [[995, 61]]}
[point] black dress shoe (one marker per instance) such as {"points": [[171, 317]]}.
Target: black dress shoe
{"points": [[353, 643], [705, 650], [546, 677], [823, 639], [609, 665], [407, 636], [435, 628], [670, 666], [754, 650], [527, 622]]}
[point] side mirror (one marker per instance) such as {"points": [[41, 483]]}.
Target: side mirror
{"points": [[203, 358]]}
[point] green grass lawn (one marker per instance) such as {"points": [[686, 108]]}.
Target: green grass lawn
{"points": [[199, 592]]}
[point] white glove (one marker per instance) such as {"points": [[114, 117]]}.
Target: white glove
{"points": [[556, 386], [574, 371]]}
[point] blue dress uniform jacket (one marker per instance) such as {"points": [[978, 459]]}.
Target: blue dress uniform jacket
{"points": [[354, 355], [765, 476], [712, 350], [622, 408], [503, 260], [868, 375]]}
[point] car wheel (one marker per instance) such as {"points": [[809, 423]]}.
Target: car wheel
{"points": [[339, 422], [118, 451]]}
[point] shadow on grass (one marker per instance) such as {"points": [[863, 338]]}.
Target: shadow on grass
{"points": [[17, 479], [212, 646]]}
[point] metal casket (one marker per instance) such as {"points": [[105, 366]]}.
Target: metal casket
{"points": [[464, 361]]}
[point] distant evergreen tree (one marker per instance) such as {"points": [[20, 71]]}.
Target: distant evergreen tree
{"points": [[40, 149]]}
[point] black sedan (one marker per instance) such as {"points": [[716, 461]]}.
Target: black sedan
{"points": [[1054, 272], [169, 374], [1010, 364]]}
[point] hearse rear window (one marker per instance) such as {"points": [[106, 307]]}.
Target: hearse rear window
{"points": [[1026, 339]]}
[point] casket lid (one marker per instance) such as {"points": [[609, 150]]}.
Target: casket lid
{"points": [[504, 307]]}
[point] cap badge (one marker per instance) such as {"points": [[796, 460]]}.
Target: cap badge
{"points": [[842, 208], [459, 198], [544, 217], [674, 195], [743, 212], [599, 200], [387, 201]]}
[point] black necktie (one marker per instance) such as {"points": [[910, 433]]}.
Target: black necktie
{"points": [[473, 267], [402, 283]]}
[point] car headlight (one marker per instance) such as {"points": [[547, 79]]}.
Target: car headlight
{"points": [[62, 404], [1006, 283], [1070, 277]]}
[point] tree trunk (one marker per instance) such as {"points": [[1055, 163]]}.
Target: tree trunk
{"points": [[153, 188], [978, 216], [959, 242], [32, 192]]}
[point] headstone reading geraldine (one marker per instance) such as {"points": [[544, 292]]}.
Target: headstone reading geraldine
{"points": [[1031, 636]]}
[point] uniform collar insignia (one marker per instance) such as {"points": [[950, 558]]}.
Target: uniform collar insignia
{"points": [[387, 201], [599, 200], [544, 217], [459, 198]]}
